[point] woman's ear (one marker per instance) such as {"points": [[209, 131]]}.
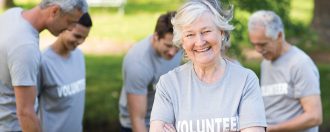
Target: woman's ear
{"points": [[280, 36]]}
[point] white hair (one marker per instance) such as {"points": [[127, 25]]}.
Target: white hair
{"points": [[66, 5], [192, 10], [268, 19]]}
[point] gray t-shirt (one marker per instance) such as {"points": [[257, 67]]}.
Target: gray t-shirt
{"points": [[62, 95], [284, 81], [232, 103], [19, 63], [142, 68]]}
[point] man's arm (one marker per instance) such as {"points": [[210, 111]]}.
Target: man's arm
{"points": [[137, 108], [311, 117], [25, 99], [253, 129]]}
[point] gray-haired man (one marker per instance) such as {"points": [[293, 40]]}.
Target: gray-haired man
{"points": [[289, 78], [20, 57]]}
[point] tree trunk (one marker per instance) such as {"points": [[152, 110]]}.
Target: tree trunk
{"points": [[321, 20]]}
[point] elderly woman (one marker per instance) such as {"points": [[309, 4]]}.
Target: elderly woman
{"points": [[208, 93]]}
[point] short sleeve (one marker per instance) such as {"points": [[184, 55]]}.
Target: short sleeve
{"points": [[137, 79], [251, 110], [305, 80], [24, 64], [162, 109]]}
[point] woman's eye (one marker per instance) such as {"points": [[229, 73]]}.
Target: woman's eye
{"points": [[189, 35], [77, 36], [206, 32]]}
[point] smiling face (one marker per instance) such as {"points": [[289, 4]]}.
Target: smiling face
{"points": [[75, 37], [269, 48], [201, 40], [164, 46]]}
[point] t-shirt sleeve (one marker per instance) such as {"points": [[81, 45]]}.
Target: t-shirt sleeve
{"points": [[24, 64], [137, 79], [251, 110], [305, 80], [162, 109]]}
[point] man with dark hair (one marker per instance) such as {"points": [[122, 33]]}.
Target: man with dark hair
{"points": [[62, 95], [20, 57], [144, 63]]}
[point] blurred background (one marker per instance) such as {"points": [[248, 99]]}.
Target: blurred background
{"points": [[118, 24]]}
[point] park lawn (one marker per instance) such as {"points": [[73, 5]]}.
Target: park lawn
{"points": [[104, 81]]}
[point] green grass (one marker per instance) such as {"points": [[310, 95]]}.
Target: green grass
{"points": [[123, 28], [324, 70], [139, 20], [103, 85]]}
